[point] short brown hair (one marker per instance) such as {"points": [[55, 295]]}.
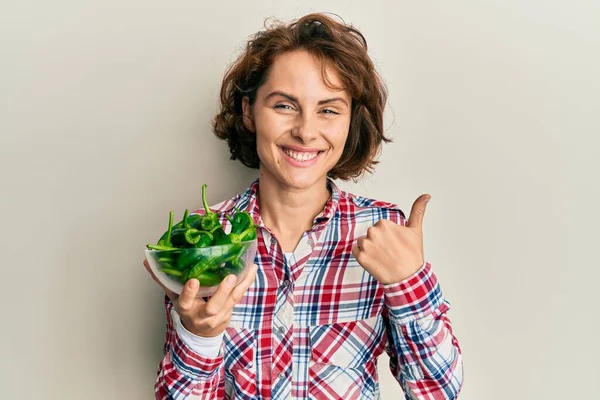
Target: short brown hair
{"points": [[336, 45]]}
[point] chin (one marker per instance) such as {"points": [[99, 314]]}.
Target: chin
{"points": [[301, 180]]}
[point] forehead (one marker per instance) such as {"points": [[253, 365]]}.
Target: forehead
{"points": [[301, 74]]}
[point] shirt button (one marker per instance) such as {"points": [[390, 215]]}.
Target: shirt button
{"points": [[250, 364], [281, 329], [281, 375], [310, 242], [285, 283]]}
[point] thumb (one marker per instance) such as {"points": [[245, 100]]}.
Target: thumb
{"points": [[188, 294], [415, 220]]}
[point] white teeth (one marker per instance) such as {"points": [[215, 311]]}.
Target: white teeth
{"points": [[300, 156]]}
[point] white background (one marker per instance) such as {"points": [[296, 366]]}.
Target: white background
{"points": [[105, 112]]}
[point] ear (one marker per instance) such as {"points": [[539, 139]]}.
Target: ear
{"points": [[247, 114]]}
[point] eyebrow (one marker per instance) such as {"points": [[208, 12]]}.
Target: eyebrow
{"points": [[295, 99]]}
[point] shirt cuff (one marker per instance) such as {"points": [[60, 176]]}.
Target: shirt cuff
{"points": [[415, 297], [204, 346]]}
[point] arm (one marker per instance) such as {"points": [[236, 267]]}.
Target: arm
{"points": [[183, 370], [425, 356]]}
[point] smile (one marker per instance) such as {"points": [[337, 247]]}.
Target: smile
{"points": [[301, 157]]}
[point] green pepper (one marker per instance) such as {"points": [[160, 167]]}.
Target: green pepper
{"points": [[188, 258], [194, 221], [206, 239], [159, 247], [185, 236], [199, 267], [209, 279], [178, 234], [219, 236], [240, 222], [167, 259], [234, 266], [248, 234], [172, 272], [210, 219], [213, 264], [164, 243]]}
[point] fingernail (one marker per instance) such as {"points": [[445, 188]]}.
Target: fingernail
{"points": [[230, 280], [193, 284], [427, 199]]}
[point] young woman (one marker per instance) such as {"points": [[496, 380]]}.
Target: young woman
{"points": [[338, 278]]}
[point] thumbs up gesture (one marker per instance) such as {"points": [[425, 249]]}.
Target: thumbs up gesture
{"points": [[392, 252]]}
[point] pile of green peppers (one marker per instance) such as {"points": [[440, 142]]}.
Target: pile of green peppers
{"points": [[178, 251]]}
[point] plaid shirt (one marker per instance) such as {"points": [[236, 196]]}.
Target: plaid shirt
{"points": [[313, 323]]}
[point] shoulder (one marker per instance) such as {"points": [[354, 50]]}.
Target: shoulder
{"points": [[363, 207]]}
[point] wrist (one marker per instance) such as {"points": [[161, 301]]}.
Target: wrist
{"points": [[402, 275]]}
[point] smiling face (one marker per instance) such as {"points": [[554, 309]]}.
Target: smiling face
{"points": [[301, 124]]}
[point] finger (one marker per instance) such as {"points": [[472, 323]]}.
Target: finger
{"points": [[361, 242], [172, 295], [217, 301], [238, 292], [415, 220], [356, 251], [371, 232], [223, 318], [359, 255], [187, 298]]}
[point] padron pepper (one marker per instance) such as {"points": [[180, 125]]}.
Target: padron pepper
{"points": [[219, 236], [234, 266], [176, 248], [210, 218], [206, 239], [248, 234], [185, 235], [240, 222], [188, 258], [208, 278], [212, 264], [164, 243]]}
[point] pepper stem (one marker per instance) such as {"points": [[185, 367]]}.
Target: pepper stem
{"points": [[167, 239], [160, 247], [207, 209], [245, 232], [185, 219]]}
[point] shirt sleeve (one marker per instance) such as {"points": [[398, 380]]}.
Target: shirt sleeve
{"points": [[425, 356], [205, 346], [183, 371]]}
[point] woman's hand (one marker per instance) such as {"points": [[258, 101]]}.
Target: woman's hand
{"points": [[392, 252], [208, 318]]}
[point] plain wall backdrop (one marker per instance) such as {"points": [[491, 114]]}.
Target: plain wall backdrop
{"points": [[105, 112]]}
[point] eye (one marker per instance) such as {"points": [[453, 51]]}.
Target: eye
{"points": [[283, 106], [330, 111]]}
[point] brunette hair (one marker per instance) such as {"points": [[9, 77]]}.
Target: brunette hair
{"points": [[336, 45]]}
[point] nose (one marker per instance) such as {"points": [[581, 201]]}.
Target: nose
{"points": [[305, 129]]}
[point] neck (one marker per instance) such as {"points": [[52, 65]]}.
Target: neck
{"points": [[289, 211]]}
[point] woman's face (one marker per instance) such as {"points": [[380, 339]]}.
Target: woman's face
{"points": [[301, 124]]}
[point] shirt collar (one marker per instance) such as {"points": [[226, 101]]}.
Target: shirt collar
{"points": [[248, 201]]}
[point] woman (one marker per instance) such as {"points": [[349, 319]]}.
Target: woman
{"points": [[338, 278]]}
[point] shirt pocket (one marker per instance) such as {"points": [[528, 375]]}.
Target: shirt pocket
{"points": [[343, 359], [240, 366]]}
